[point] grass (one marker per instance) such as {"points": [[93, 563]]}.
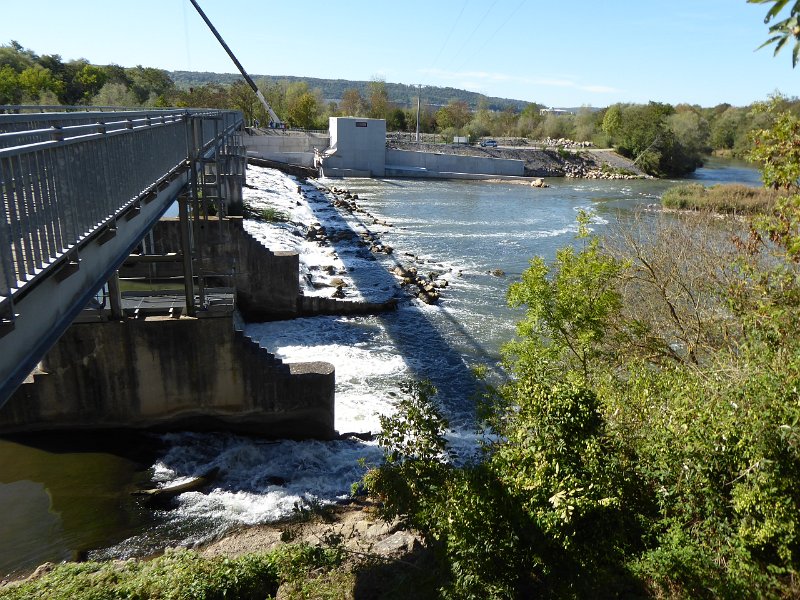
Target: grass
{"points": [[270, 214], [301, 570], [177, 575], [727, 199]]}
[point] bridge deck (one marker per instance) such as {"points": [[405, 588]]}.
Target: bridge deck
{"points": [[79, 191]]}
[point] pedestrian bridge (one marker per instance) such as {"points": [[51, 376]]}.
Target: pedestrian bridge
{"points": [[80, 191]]}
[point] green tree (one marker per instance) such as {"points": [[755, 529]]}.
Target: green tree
{"points": [[352, 104], [116, 94], [453, 116], [35, 80], [92, 79], [303, 110], [612, 119], [557, 126], [725, 128], [148, 83], [585, 124], [16, 57], [396, 120], [243, 98], [691, 130], [275, 93], [777, 149], [10, 91], [206, 96], [378, 98]]}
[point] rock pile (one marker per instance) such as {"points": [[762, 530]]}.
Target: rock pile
{"points": [[565, 143], [582, 171], [427, 287], [317, 233]]}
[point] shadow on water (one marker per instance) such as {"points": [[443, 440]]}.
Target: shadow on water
{"points": [[65, 493], [415, 334]]}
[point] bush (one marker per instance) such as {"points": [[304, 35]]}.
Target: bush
{"points": [[626, 457]]}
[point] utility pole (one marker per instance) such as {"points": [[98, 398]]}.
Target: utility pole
{"points": [[419, 95]]}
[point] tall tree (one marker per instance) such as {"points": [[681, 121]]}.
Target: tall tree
{"points": [[244, 99], [352, 103], [378, 99], [10, 92], [455, 115]]}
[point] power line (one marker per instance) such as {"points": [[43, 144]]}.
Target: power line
{"points": [[486, 40], [452, 29], [480, 22]]}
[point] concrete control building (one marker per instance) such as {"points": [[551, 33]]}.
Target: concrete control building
{"points": [[357, 148]]}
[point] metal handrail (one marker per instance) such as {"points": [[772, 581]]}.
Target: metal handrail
{"points": [[62, 180]]}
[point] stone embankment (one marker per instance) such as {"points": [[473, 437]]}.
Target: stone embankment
{"points": [[558, 158]]}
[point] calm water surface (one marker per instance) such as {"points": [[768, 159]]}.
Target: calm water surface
{"points": [[64, 497]]}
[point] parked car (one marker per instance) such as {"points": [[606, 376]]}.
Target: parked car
{"points": [[488, 144]]}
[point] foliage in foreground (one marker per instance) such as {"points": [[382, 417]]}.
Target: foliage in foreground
{"points": [[648, 442]]}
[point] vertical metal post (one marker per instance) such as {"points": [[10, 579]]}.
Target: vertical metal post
{"points": [[115, 297], [197, 243], [219, 167], [186, 241], [419, 97]]}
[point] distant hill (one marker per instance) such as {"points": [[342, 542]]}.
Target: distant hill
{"points": [[333, 89]]}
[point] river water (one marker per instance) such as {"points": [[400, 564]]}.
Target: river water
{"points": [[63, 498]]}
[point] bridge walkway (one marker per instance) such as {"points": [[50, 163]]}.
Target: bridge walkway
{"points": [[79, 192]]}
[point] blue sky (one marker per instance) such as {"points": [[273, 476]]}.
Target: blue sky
{"points": [[583, 52]]}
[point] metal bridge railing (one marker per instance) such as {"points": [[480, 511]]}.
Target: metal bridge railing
{"points": [[64, 177]]}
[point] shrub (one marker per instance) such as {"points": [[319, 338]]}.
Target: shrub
{"points": [[608, 469]]}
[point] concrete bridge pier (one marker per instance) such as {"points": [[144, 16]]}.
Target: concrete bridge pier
{"points": [[80, 193]]}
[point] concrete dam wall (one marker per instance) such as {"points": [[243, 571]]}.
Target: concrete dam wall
{"points": [[267, 282], [168, 372], [162, 373], [406, 163], [292, 147]]}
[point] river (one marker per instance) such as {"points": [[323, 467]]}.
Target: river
{"points": [[64, 497]]}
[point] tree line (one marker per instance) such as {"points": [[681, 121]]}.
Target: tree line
{"points": [[663, 139]]}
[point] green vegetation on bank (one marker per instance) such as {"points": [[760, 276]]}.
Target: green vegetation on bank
{"points": [[776, 149], [647, 441], [728, 199], [176, 575], [663, 139], [186, 575]]}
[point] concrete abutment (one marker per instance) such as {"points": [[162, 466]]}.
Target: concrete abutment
{"points": [[166, 374]]}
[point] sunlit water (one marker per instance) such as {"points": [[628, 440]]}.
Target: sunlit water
{"points": [[57, 501]]}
